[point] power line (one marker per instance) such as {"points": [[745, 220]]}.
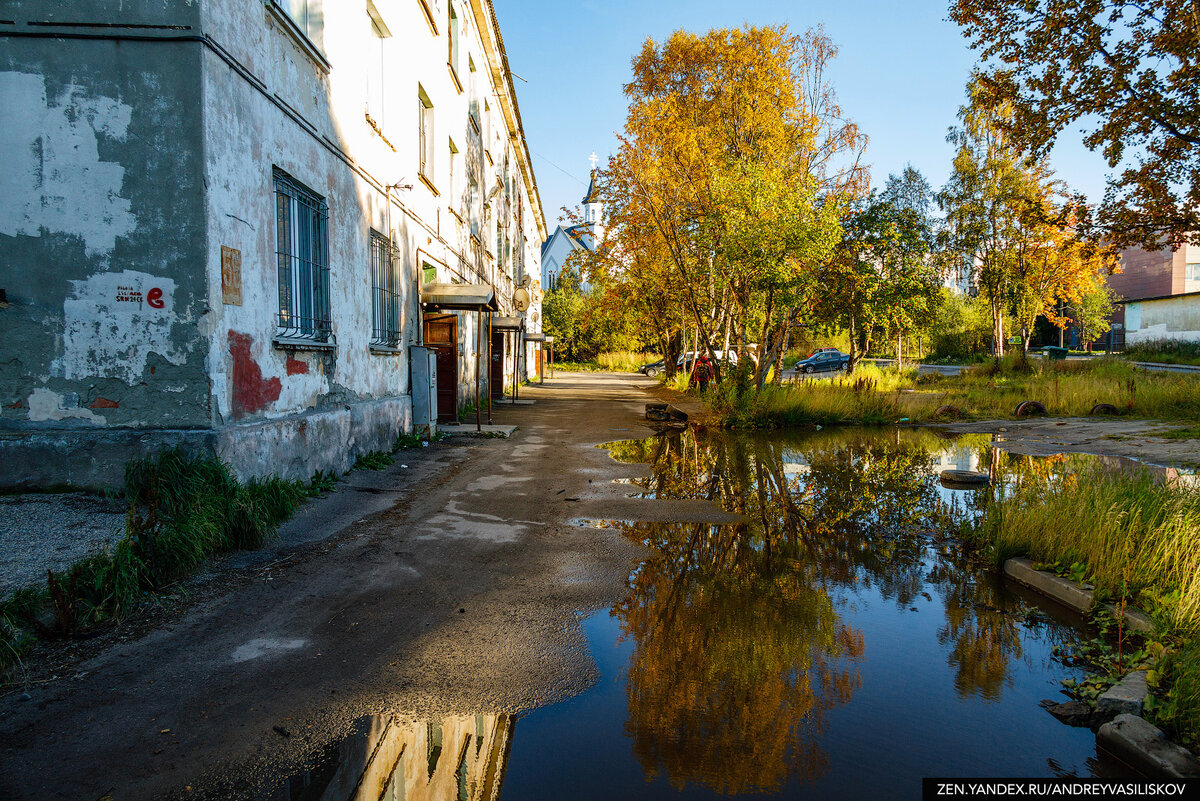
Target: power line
{"points": [[560, 169]]}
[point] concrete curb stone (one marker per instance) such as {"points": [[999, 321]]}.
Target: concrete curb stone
{"points": [[1069, 593], [1144, 747]]}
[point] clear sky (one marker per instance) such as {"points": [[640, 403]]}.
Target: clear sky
{"points": [[900, 75]]}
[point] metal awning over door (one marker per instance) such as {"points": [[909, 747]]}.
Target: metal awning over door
{"points": [[459, 297]]}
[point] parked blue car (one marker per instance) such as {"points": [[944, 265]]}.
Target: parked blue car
{"points": [[827, 359]]}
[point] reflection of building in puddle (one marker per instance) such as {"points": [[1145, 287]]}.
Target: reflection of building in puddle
{"points": [[393, 759], [960, 458]]}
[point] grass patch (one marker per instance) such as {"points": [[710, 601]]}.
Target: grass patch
{"points": [[624, 361], [619, 361], [1164, 351], [1187, 432], [987, 391], [1132, 535], [373, 460], [183, 509]]}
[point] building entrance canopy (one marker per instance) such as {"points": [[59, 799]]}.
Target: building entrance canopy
{"points": [[459, 297], [507, 323]]}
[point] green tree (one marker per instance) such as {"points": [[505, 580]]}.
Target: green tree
{"points": [[1124, 71], [881, 279], [1093, 311], [562, 308]]}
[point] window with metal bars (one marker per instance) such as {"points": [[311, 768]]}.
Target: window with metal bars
{"points": [[385, 295], [302, 256]]}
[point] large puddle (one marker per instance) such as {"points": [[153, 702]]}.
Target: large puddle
{"points": [[836, 643]]}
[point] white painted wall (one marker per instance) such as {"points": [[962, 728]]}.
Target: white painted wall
{"points": [[321, 126]]}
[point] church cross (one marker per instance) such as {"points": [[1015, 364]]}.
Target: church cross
{"points": [[593, 158]]}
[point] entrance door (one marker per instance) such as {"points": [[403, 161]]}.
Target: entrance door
{"points": [[441, 335], [496, 375]]}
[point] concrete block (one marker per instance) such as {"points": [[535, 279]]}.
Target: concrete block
{"points": [[1135, 619], [1070, 594], [1060, 589], [1124, 697], [1145, 748]]}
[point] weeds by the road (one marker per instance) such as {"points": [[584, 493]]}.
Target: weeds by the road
{"points": [[1133, 535], [872, 396], [618, 361], [1164, 351], [183, 509], [373, 460]]}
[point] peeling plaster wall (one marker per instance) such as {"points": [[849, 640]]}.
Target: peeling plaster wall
{"points": [[254, 378], [137, 164], [101, 224]]}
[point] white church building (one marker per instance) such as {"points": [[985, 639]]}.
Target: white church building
{"points": [[567, 239]]}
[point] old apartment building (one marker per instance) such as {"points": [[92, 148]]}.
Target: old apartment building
{"points": [[231, 224]]}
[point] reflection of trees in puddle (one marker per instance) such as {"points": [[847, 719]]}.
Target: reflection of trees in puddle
{"points": [[738, 657], [740, 648], [389, 759]]}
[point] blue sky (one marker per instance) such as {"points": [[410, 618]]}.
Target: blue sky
{"points": [[900, 74]]}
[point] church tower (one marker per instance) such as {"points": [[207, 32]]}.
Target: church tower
{"points": [[593, 211]]}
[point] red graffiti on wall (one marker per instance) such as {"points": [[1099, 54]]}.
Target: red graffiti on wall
{"points": [[250, 392], [296, 366]]}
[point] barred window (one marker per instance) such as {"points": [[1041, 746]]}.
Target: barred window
{"points": [[302, 255], [385, 296]]}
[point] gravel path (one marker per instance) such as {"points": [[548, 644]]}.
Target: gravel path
{"points": [[40, 532]]}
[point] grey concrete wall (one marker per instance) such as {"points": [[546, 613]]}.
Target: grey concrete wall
{"points": [[102, 226], [297, 446]]}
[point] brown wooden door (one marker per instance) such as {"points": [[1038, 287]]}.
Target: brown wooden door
{"points": [[441, 334], [496, 375]]}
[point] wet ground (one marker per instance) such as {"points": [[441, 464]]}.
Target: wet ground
{"points": [[685, 616], [831, 642]]}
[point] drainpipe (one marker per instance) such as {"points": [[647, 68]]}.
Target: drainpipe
{"points": [[490, 357]]}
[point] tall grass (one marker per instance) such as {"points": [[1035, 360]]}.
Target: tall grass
{"points": [[1167, 351], [624, 361], [1139, 537], [871, 395], [183, 509]]}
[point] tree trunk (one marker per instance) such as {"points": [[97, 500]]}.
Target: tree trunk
{"points": [[672, 352], [997, 330], [899, 351], [777, 377], [852, 364]]}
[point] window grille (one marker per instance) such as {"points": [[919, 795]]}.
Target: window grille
{"points": [[385, 295], [302, 255]]}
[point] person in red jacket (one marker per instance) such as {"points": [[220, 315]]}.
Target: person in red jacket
{"points": [[702, 373]]}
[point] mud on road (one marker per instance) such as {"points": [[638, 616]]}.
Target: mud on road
{"points": [[453, 584]]}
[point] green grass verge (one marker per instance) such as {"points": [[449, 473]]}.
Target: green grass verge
{"points": [[183, 509], [1164, 351], [873, 396], [1135, 537]]}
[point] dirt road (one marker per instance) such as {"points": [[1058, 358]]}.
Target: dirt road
{"points": [[453, 584]]}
